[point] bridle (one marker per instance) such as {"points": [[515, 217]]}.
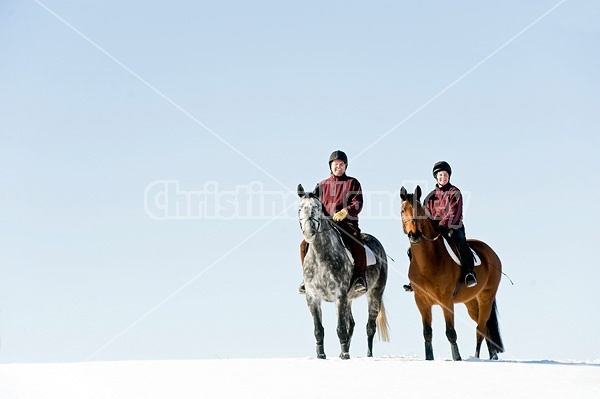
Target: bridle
{"points": [[317, 222], [418, 233]]}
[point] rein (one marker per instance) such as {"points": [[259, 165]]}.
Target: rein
{"points": [[420, 233], [431, 239], [318, 222]]}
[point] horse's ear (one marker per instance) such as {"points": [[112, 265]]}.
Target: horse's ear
{"points": [[301, 192], [317, 191], [403, 193], [418, 193]]}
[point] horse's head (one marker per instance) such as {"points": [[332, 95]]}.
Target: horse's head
{"points": [[310, 214], [412, 214]]}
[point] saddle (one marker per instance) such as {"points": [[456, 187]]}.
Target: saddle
{"points": [[371, 258], [453, 252]]}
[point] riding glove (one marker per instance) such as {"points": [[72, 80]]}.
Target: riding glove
{"points": [[341, 215]]}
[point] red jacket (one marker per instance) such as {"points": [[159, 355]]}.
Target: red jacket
{"points": [[445, 205], [337, 193]]}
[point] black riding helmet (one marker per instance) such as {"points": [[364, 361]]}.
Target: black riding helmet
{"points": [[339, 154], [441, 165]]}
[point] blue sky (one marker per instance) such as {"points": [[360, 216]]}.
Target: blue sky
{"points": [[100, 100]]}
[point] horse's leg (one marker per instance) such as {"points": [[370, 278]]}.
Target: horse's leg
{"points": [[448, 309], [315, 310], [350, 324], [374, 305], [426, 317], [473, 309], [342, 331], [482, 329], [487, 326], [493, 338]]}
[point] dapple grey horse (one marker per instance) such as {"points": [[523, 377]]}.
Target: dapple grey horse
{"points": [[328, 271]]}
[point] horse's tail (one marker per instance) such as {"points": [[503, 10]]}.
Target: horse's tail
{"points": [[382, 324], [493, 328]]}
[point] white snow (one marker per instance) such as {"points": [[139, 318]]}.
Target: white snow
{"points": [[387, 377]]}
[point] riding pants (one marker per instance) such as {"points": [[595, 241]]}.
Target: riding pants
{"points": [[458, 238]]}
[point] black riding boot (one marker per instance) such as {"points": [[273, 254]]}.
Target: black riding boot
{"points": [[470, 278], [468, 269], [360, 285], [466, 257], [408, 287], [303, 251]]}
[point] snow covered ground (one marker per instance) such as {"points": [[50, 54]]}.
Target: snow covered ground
{"points": [[387, 377]]}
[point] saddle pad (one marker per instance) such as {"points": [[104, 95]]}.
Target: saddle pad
{"points": [[371, 258], [476, 262]]}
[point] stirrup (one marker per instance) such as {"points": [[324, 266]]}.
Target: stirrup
{"points": [[470, 280], [360, 285], [407, 287]]}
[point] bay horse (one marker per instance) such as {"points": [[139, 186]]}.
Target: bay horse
{"points": [[435, 279], [328, 270]]}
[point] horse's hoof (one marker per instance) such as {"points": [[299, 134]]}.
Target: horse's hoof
{"points": [[428, 351], [344, 356], [321, 356]]}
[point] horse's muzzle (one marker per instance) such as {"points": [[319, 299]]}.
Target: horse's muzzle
{"points": [[414, 237]]}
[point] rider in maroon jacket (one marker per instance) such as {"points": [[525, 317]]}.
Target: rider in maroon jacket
{"points": [[342, 199], [444, 206]]}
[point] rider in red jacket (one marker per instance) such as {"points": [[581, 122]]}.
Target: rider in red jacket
{"points": [[342, 199], [444, 206]]}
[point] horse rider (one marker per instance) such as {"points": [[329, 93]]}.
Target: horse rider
{"points": [[341, 196], [444, 206]]}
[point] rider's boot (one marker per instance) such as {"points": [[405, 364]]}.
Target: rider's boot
{"points": [[360, 285], [408, 287], [468, 270], [466, 256], [303, 250], [360, 268]]}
